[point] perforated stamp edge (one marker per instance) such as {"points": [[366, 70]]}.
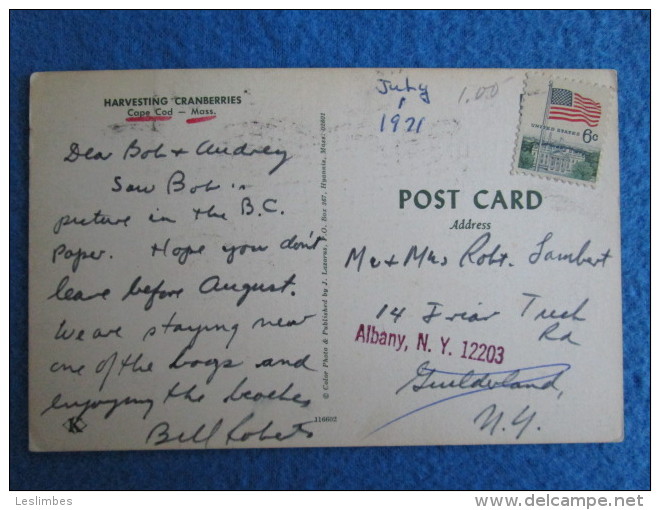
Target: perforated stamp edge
{"points": [[564, 143]]}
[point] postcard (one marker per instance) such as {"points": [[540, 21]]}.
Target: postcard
{"points": [[267, 258]]}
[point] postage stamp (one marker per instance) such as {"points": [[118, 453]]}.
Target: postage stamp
{"points": [[561, 131]]}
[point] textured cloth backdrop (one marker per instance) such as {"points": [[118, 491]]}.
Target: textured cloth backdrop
{"points": [[68, 41]]}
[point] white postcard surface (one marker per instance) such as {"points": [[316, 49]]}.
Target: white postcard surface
{"points": [[324, 257]]}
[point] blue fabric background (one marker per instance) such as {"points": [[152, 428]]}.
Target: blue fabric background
{"points": [[55, 40]]}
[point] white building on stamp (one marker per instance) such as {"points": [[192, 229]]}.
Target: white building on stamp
{"points": [[557, 159]]}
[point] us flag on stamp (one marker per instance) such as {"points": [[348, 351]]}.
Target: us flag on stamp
{"points": [[572, 107]]}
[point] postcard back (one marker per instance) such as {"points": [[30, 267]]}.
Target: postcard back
{"points": [[288, 258]]}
